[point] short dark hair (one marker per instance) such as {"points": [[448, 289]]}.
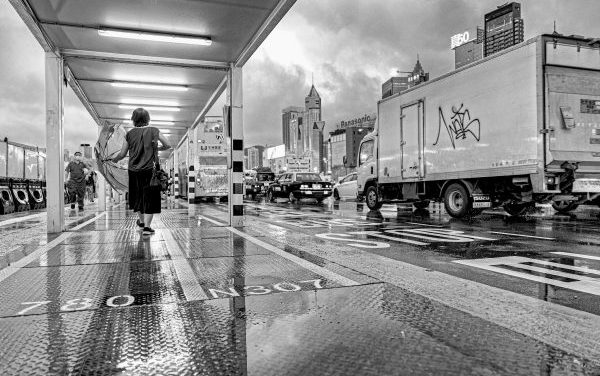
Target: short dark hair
{"points": [[77, 153], [140, 117]]}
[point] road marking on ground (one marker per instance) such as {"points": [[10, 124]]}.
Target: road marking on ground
{"points": [[522, 235], [572, 330], [551, 273], [22, 219], [331, 276], [185, 274], [40, 252], [577, 255], [423, 224]]}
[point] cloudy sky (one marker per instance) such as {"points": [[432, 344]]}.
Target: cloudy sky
{"points": [[350, 46]]}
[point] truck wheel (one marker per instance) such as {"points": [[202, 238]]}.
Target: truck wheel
{"points": [[564, 206], [516, 209], [457, 201], [421, 204], [336, 195], [372, 197]]}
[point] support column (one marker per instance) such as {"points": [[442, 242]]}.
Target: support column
{"points": [[176, 172], [101, 187], [192, 140], [55, 176], [236, 134]]}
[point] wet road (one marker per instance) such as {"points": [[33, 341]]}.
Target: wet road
{"points": [[307, 289]]}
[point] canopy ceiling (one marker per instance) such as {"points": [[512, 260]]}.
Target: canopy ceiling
{"points": [[104, 70]]}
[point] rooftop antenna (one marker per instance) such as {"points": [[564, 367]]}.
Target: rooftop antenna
{"points": [[312, 78]]}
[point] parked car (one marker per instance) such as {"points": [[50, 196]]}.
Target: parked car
{"points": [[346, 187], [298, 185]]}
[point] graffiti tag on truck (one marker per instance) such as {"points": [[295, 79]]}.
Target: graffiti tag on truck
{"points": [[460, 127]]}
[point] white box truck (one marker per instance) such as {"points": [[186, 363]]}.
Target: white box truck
{"points": [[518, 127]]}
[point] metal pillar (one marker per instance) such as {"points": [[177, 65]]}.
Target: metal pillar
{"points": [[236, 134], [101, 188], [176, 172], [193, 148], [55, 176]]}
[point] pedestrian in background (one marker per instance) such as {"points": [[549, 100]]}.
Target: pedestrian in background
{"points": [[77, 171], [142, 145]]}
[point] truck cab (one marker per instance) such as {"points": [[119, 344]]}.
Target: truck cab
{"points": [[367, 164]]}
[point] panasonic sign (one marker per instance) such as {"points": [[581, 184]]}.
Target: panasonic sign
{"points": [[459, 39]]}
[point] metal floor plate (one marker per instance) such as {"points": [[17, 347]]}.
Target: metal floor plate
{"points": [[367, 330]]}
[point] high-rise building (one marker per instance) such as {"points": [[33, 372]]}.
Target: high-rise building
{"points": [[397, 85], [312, 129], [469, 51], [503, 28], [393, 86], [86, 151], [253, 157], [288, 115]]}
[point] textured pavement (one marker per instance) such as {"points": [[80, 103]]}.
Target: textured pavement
{"points": [[199, 298]]}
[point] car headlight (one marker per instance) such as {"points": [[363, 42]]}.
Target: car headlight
{"points": [[303, 186]]}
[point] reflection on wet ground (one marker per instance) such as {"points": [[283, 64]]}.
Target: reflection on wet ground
{"points": [[306, 289]]}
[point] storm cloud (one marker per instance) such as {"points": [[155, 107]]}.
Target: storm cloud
{"points": [[350, 47]]}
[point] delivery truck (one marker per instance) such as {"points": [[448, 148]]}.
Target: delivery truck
{"points": [[516, 128]]}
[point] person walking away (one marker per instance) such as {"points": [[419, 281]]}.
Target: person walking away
{"points": [[90, 183], [141, 143], [76, 171]]}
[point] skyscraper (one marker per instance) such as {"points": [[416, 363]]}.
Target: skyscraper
{"points": [[504, 27], [288, 115]]}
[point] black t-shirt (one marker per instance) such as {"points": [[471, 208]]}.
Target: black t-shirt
{"points": [[141, 142], [76, 170]]}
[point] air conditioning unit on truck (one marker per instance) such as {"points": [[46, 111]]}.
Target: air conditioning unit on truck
{"points": [[519, 127]]}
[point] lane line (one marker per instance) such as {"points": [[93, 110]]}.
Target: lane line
{"points": [[521, 235], [21, 219], [495, 264], [40, 252], [295, 259], [573, 331], [423, 224], [185, 274], [577, 255]]}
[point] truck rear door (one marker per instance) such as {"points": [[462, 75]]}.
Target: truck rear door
{"points": [[412, 140], [572, 76]]}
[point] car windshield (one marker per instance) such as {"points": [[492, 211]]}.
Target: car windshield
{"points": [[265, 177], [308, 177]]}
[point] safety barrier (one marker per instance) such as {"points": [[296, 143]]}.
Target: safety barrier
{"points": [[7, 204], [36, 194], [18, 188]]}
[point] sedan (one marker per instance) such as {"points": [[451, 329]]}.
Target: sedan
{"points": [[298, 185], [346, 187]]}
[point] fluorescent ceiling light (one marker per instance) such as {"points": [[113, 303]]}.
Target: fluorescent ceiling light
{"points": [[149, 108], [161, 122], [135, 85], [170, 38], [150, 102]]}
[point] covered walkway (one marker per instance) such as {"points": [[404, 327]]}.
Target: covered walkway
{"points": [[175, 58]]}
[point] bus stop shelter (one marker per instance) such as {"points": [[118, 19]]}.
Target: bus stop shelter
{"points": [[172, 57]]}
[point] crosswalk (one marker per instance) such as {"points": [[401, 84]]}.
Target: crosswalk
{"points": [[568, 273]]}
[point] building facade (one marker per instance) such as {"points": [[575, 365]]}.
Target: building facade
{"points": [[303, 131], [344, 142], [467, 53], [253, 157], [397, 85], [289, 115], [503, 28]]}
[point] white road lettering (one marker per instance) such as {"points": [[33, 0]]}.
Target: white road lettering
{"points": [[215, 292], [354, 242]]}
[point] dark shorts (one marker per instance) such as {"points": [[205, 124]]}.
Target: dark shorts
{"points": [[142, 197]]}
